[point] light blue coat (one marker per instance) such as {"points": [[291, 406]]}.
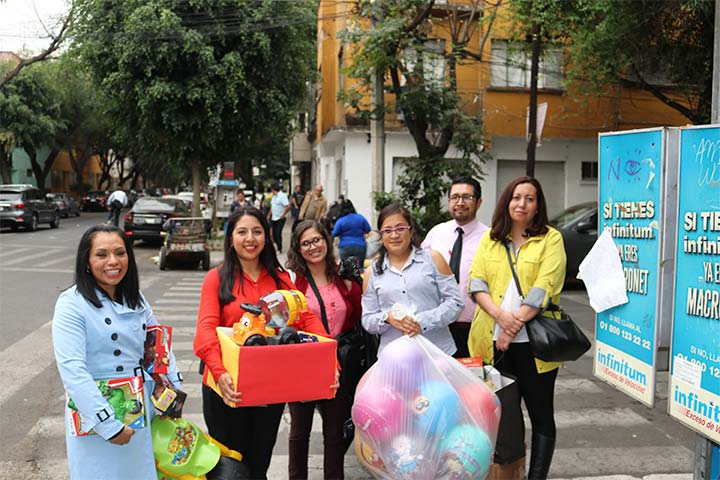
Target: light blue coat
{"points": [[96, 344]]}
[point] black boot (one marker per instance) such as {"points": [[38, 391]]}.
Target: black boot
{"points": [[541, 453]]}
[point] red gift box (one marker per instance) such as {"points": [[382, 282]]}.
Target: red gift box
{"points": [[278, 373]]}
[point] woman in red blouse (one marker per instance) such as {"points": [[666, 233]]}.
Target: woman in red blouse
{"points": [[249, 271], [311, 257]]}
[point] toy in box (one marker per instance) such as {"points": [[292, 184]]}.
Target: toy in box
{"points": [[157, 349], [125, 395], [278, 373]]}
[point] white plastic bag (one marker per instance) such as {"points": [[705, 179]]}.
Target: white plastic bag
{"points": [[420, 414]]}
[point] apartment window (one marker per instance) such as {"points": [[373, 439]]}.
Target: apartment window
{"points": [[589, 171], [511, 66], [428, 61]]}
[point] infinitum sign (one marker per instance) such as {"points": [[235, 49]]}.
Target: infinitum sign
{"points": [[633, 201], [694, 397]]}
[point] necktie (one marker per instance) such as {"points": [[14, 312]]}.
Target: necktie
{"points": [[456, 253]]}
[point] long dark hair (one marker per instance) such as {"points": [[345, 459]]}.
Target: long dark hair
{"points": [[231, 266], [295, 260], [388, 210], [501, 221], [127, 290]]}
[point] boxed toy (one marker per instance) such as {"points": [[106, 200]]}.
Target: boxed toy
{"points": [[126, 397], [278, 373], [157, 349]]}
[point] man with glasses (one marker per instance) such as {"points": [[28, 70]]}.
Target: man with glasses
{"points": [[457, 240]]}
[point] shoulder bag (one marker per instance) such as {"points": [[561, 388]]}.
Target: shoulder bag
{"points": [[554, 337]]}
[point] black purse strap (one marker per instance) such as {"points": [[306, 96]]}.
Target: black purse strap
{"points": [[512, 269], [315, 290]]}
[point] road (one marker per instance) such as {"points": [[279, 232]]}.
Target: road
{"points": [[601, 432]]}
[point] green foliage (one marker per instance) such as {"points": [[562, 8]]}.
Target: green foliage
{"points": [[650, 44], [29, 112], [400, 42], [199, 80]]}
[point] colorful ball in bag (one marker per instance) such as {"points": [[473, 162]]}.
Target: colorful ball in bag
{"points": [[402, 365], [436, 409], [368, 457], [407, 458], [378, 413], [483, 406], [466, 453]]}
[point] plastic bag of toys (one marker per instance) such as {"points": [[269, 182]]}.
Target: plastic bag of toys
{"points": [[420, 414]]}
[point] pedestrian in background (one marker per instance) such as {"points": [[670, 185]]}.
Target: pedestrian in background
{"points": [[351, 229], [457, 240], [249, 270], [407, 274], [279, 207], [333, 213], [98, 332], [314, 205], [115, 203], [337, 302], [240, 201], [519, 228], [296, 200]]}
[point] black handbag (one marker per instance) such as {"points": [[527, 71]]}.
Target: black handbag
{"points": [[554, 337]]}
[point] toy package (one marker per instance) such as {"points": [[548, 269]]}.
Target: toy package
{"points": [[125, 395], [420, 414], [157, 349]]}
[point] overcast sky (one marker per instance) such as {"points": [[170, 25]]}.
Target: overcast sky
{"points": [[21, 23]]}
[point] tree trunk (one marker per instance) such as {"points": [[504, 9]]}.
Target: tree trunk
{"points": [[195, 168], [6, 166]]}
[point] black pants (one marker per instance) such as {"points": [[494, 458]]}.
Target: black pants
{"points": [[334, 412], [277, 228], [252, 431], [459, 332], [536, 389]]}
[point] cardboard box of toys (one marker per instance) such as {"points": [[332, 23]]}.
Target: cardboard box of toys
{"points": [[279, 373]]}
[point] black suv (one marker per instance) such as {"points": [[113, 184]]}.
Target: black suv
{"points": [[26, 206]]}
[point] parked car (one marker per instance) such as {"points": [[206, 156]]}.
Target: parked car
{"points": [[145, 220], [579, 227], [65, 204], [95, 201], [204, 210], [25, 206]]}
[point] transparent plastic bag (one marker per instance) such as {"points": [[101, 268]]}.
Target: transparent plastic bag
{"points": [[420, 414]]}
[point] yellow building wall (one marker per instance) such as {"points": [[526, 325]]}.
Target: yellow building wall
{"points": [[63, 175], [503, 109]]}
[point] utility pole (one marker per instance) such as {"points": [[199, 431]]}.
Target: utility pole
{"points": [[377, 127], [532, 120]]}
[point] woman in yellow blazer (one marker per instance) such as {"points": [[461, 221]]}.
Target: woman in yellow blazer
{"points": [[497, 334]]}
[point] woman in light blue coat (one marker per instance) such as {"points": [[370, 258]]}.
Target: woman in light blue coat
{"points": [[99, 331]]}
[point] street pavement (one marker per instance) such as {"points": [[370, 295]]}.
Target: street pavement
{"points": [[602, 433]]}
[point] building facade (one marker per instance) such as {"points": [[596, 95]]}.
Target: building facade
{"points": [[498, 90]]}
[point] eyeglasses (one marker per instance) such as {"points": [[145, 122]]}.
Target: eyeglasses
{"points": [[315, 241], [399, 230], [465, 198]]}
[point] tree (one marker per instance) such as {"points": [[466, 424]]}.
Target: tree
{"points": [[400, 43], [195, 83], [56, 40], [29, 119], [663, 47]]}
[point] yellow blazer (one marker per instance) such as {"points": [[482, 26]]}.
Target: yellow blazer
{"points": [[540, 266]]}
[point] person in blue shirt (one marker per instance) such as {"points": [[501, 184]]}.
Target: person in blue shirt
{"points": [[279, 207], [411, 276], [351, 228]]}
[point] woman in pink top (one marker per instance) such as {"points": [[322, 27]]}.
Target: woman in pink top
{"points": [[337, 302]]}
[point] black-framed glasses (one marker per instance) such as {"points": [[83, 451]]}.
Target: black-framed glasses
{"points": [[467, 198], [315, 241], [399, 230]]}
